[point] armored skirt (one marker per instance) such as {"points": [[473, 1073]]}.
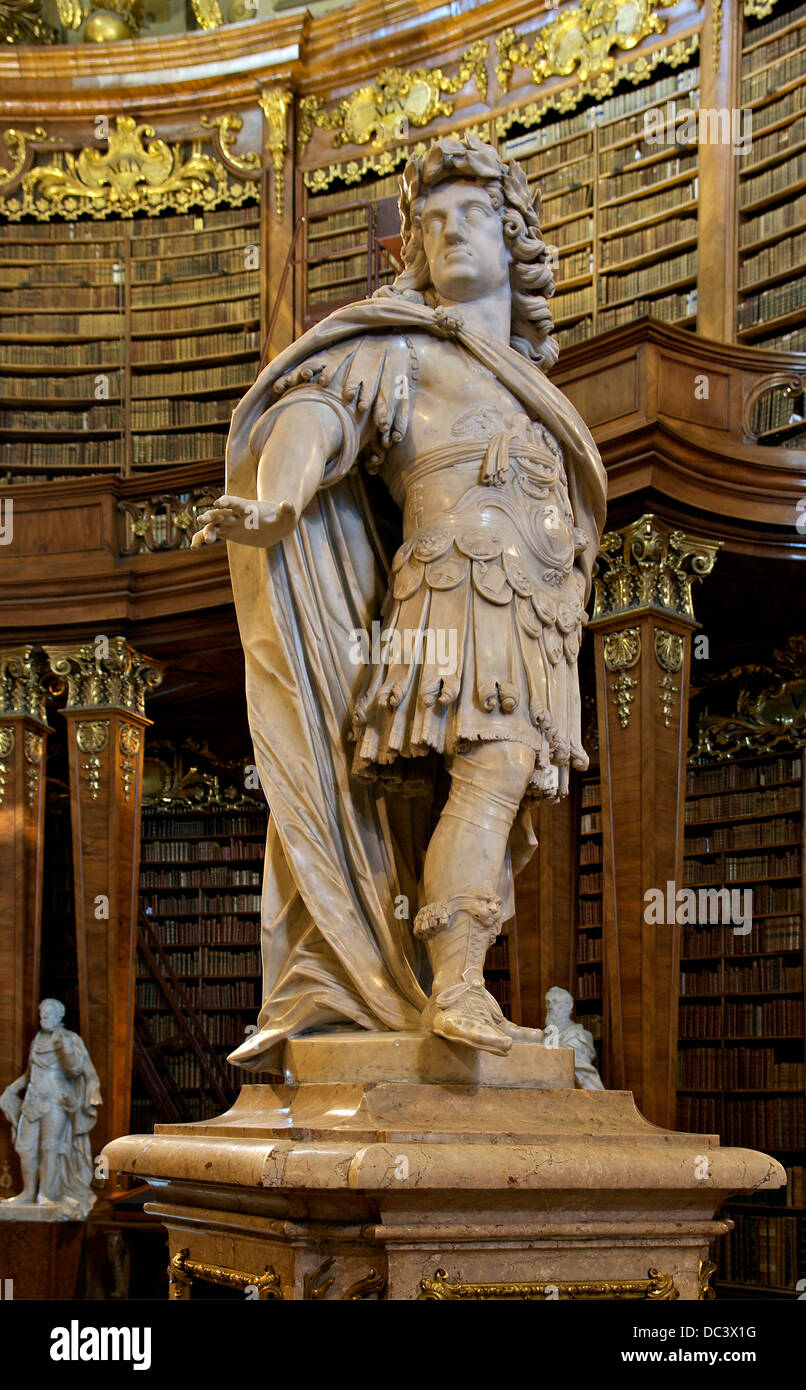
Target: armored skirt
{"points": [[481, 625]]}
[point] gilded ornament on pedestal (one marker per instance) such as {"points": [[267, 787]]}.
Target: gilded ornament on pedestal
{"points": [[398, 99], [669, 656], [656, 1287], [622, 651], [6, 749], [119, 679]]}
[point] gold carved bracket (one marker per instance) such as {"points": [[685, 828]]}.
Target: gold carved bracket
{"points": [[398, 99], [274, 103], [138, 172], [580, 40], [656, 1287]]}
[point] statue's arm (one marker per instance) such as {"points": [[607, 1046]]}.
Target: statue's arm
{"points": [[291, 466]]}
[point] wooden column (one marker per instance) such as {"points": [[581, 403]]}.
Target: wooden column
{"points": [[544, 907], [642, 626], [277, 218], [719, 162], [23, 731], [106, 683]]}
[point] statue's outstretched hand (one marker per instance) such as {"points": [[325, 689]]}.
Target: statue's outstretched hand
{"points": [[245, 521]]}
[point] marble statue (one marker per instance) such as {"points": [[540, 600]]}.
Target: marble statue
{"points": [[561, 1032], [52, 1110], [406, 711]]}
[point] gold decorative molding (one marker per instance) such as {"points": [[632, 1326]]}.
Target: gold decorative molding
{"points": [[580, 40], [567, 98], [274, 103], [34, 747], [398, 98], [657, 1287], [755, 708], [385, 162], [17, 143], [716, 37], [7, 741], [669, 656], [227, 128], [315, 1287], [105, 674], [759, 9], [650, 565], [706, 1270], [622, 651], [207, 14], [139, 172], [182, 1271], [23, 21], [92, 738], [130, 741], [22, 689]]}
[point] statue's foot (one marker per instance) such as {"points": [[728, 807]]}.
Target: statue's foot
{"points": [[22, 1199], [43, 1201], [516, 1031], [468, 1021]]}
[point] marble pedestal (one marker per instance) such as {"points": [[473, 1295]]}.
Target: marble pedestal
{"points": [[384, 1159]]}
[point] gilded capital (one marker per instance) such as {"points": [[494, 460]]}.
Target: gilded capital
{"points": [[650, 565], [22, 690], [105, 673]]}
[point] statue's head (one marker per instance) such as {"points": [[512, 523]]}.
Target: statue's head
{"points": [[51, 1013], [559, 1006], [469, 225]]}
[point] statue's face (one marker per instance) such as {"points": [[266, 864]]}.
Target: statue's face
{"points": [[558, 1009], [464, 243], [49, 1017]]}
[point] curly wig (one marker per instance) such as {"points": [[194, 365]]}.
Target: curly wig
{"points": [[531, 277]]}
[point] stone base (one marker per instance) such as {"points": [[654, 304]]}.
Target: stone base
{"points": [[369, 1185]]}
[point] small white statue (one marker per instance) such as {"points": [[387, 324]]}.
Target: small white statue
{"points": [[561, 1032], [52, 1109]]}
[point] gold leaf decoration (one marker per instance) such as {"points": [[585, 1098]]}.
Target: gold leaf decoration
{"points": [[398, 99], [567, 98], [274, 103], [385, 162], [23, 21], [138, 173], [650, 565], [579, 40], [207, 14], [17, 142]]}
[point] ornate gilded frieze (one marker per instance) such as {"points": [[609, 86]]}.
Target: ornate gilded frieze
{"points": [[22, 689], [138, 172], [397, 100], [384, 162], [274, 103], [580, 40], [567, 98], [651, 565], [105, 673], [622, 651], [669, 656], [755, 708], [656, 1287]]}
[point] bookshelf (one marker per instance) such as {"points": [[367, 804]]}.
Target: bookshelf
{"points": [[742, 1029], [201, 871], [621, 212], [124, 348], [772, 183], [341, 260], [588, 935]]}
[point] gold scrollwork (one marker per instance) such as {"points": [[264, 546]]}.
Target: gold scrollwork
{"points": [[622, 651], [182, 1271], [22, 674], [669, 656], [656, 1287], [110, 675], [766, 706], [567, 98], [706, 1270], [398, 99], [227, 128], [207, 14], [274, 103], [650, 565], [18, 143], [315, 1286], [139, 172], [581, 39], [23, 21], [759, 9]]}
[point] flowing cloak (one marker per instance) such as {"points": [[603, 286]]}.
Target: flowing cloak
{"points": [[341, 859]]}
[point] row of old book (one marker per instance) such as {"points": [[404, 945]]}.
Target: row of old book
{"points": [[746, 835], [738, 1069], [733, 1019], [779, 934]]}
